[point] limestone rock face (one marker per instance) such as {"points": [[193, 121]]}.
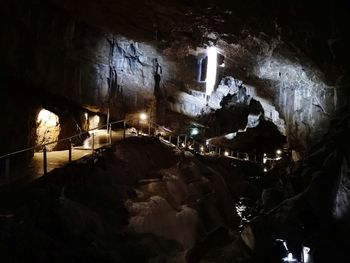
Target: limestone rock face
{"points": [[130, 58]]}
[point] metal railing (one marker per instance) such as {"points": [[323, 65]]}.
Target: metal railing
{"points": [[43, 146], [180, 137], [209, 148]]}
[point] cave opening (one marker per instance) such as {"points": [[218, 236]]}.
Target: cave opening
{"points": [[47, 129]]}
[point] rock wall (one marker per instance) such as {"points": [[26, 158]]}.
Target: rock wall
{"points": [[79, 61]]}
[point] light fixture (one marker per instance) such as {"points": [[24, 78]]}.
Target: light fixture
{"points": [[278, 152], [194, 131], [226, 153], [202, 148], [211, 70], [265, 170], [143, 116], [289, 258]]}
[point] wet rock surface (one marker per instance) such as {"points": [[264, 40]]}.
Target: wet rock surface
{"points": [[143, 201], [315, 214]]}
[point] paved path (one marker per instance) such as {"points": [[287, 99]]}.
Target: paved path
{"points": [[56, 159]]}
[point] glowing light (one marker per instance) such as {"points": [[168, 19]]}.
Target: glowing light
{"points": [[202, 148], [306, 255], [211, 70], [143, 116], [194, 131], [264, 160], [86, 115], [226, 153], [94, 121], [47, 118], [207, 142], [265, 170], [290, 258], [279, 152]]}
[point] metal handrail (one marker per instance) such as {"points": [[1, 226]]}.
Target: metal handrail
{"points": [[57, 141]]}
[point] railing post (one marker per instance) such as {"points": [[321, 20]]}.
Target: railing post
{"points": [[138, 127], [93, 143], [110, 134], [7, 169], [70, 151], [45, 159], [185, 141], [178, 141], [169, 138], [107, 122], [124, 123]]}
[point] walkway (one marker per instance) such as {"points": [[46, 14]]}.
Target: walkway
{"points": [[57, 159]]}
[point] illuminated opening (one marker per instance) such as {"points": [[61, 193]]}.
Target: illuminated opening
{"points": [[48, 129], [306, 254], [211, 70], [47, 118], [94, 122]]}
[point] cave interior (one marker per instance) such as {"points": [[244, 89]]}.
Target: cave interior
{"points": [[174, 131]]}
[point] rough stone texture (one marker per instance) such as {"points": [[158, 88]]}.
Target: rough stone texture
{"points": [[103, 53], [48, 129]]}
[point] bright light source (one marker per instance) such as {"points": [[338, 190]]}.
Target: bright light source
{"points": [[290, 258], [47, 118], [207, 142], [94, 122], [279, 152], [264, 160], [143, 116], [265, 170], [306, 255], [202, 148], [211, 70], [86, 115], [226, 153], [194, 131]]}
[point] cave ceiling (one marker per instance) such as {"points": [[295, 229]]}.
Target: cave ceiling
{"points": [[317, 29], [291, 56]]}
